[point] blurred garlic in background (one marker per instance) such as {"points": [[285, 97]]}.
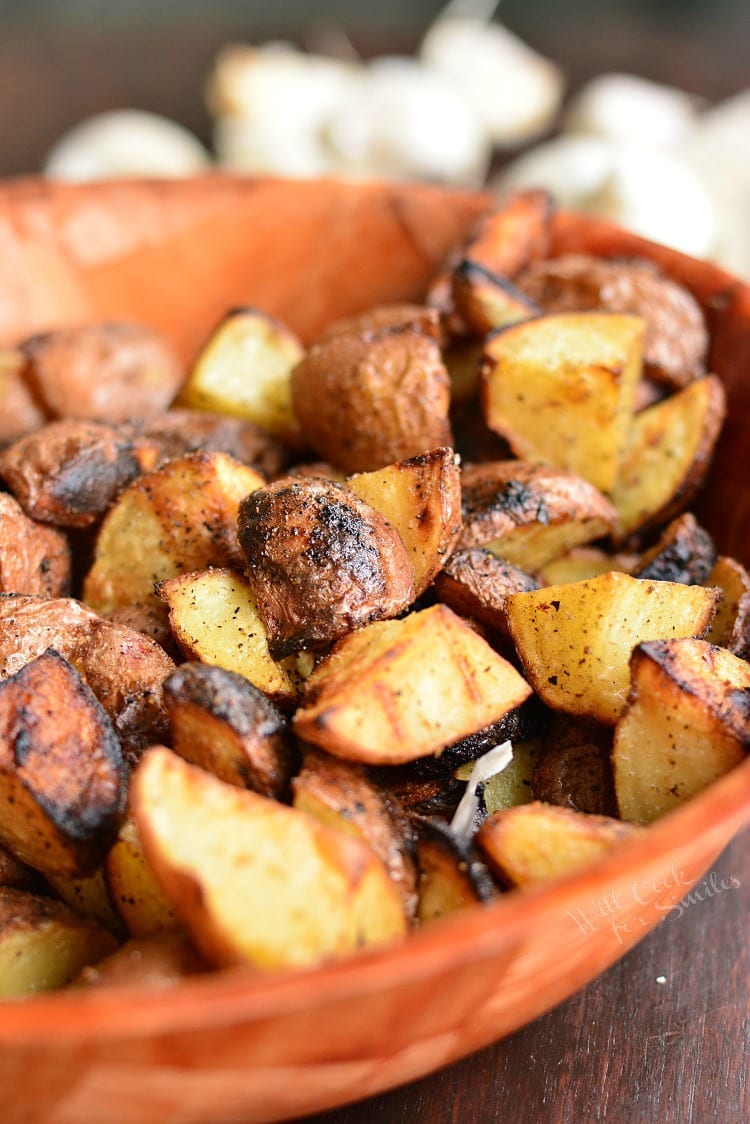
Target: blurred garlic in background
{"points": [[624, 107], [126, 142]]}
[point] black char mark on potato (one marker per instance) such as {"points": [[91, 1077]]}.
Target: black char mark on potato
{"points": [[321, 563]]}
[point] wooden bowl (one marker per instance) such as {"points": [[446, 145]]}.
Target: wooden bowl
{"points": [[236, 1046]]}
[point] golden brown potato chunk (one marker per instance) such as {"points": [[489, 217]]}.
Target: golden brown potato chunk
{"points": [[485, 300], [321, 563], [451, 874], [62, 775], [529, 513], [176, 433], [574, 640], [369, 400], [476, 583], [421, 497], [731, 626], [135, 894], [676, 340], [69, 472], [419, 317], [536, 843], [19, 413], [256, 882], [180, 518], [104, 372], [43, 944], [684, 553], [560, 390], [687, 723], [340, 794], [34, 559], [220, 721], [395, 691]]}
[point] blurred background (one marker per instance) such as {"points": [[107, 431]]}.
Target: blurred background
{"points": [[63, 60]]}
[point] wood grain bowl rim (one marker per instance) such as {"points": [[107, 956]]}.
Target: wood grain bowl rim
{"points": [[697, 831]]}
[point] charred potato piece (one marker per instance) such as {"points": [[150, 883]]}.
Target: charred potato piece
{"points": [[34, 559], [485, 300], [574, 641], [560, 390], [574, 768], [416, 316], [180, 518], [136, 896], [19, 413], [102, 372], [687, 723], [676, 339], [69, 472], [451, 874], [43, 945], [421, 795], [684, 553], [537, 843], [62, 776], [370, 400], [16, 875], [244, 371], [124, 669], [220, 721], [668, 455], [476, 583], [421, 498], [523, 721], [398, 690], [731, 626], [321, 563], [215, 618], [256, 882], [528, 514], [154, 963], [339, 793], [176, 433]]}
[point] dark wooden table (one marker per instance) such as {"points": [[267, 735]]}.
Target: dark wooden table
{"points": [[663, 1036]]}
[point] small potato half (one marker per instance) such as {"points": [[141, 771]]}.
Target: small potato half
{"points": [[321, 562], [365, 401], [34, 559]]}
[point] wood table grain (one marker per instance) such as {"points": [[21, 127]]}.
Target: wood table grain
{"points": [[663, 1036]]}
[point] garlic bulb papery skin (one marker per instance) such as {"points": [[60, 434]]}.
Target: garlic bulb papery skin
{"points": [[403, 121], [126, 142], [515, 91], [624, 107], [651, 193]]}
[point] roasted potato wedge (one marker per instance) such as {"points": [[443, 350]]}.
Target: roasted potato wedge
{"points": [[339, 793], [668, 455], [451, 874], [256, 882], [69, 472], [34, 559], [244, 371], [180, 518], [19, 413], [365, 401], [62, 775], [731, 626], [136, 896], [529, 513], [421, 498], [676, 341], [220, 721], [485, 300], [102, 372], [683, 553], [687, 723], [398, 690], [560, 390], [214, 618], [537, 843], [43, 945], [321, 562], [574, 640], [476, 583]]}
